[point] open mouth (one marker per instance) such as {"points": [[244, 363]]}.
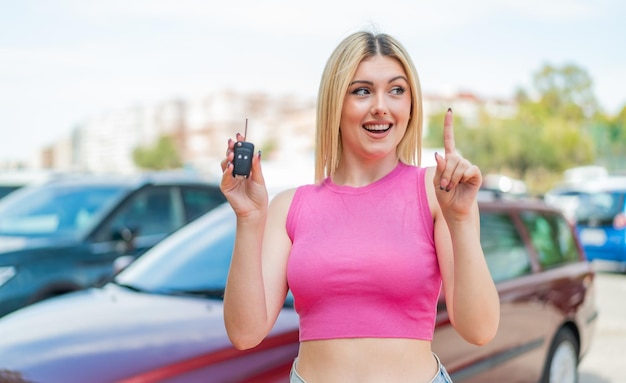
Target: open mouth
{"points": [[382, 128]]}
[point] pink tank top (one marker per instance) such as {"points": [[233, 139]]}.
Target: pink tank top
{"points": [[363, 261]]}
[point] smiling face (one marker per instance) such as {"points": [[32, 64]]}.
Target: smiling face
{"points": [[376, 109]]}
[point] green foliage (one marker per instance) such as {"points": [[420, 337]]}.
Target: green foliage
{"points": [[553, 130], [269, 147], [566, 91], [161, 156], [434, 131], [609, 136]]}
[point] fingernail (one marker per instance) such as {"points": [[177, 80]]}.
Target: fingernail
{"points": [[259, 154], [238, 134], [444, 184], [449, 109]]}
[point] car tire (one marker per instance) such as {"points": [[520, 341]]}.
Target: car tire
{"points": [[562, 362]]}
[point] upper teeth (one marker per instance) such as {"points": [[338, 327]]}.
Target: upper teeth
{"points": [[377, 127]]}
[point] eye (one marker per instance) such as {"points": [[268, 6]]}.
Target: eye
{"points": [[398, 90], [360, 91]]}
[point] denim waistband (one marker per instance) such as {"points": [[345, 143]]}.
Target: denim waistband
{"points": [[441, 376]]}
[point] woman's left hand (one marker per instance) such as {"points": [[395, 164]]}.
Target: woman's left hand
{"points": [[456, 180]]}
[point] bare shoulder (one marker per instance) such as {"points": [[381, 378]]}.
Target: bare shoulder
{"points": [[282, 200]]}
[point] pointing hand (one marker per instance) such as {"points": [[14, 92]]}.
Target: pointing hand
{"points": [[456, 180]]}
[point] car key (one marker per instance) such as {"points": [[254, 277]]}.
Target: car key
{"points": [[242, 163]]}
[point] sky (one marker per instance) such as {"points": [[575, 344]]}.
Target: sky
{"points": [[65, 61]]}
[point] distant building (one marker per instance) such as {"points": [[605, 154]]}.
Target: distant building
{"points": [[283, 127], [468, 106]]}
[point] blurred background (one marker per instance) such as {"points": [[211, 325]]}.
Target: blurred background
{"points": [[123, 86]]}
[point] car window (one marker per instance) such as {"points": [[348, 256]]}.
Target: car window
{"points": [[599, 208], [504, 249], [56, 209], [198, 201], [552, 238], [150, 211]]}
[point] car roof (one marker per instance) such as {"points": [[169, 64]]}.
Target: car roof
{"points": [[26, 177], [606, 184], [494, 202]]}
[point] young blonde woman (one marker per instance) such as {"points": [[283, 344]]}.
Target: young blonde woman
{"points": [[367, 249]]}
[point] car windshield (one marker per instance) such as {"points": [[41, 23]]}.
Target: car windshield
{"points": [[56, 209], [5, 190], [599, 208], [194, 260], [566, 200]]}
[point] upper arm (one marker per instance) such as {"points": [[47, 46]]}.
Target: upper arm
{"points": [[275, 252]]}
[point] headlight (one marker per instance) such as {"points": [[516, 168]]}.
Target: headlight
{"points": [[6, 273]]}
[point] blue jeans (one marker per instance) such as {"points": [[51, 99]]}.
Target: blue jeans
{"points": [[441, 376]]}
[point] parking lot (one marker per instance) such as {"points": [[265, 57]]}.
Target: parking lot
{"points": [[605, 361]]}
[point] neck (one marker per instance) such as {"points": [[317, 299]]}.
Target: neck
{"points": [[362, 173]]}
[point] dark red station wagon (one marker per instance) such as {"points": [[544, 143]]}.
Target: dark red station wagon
{"points": [[547, 302], [161, 320]]}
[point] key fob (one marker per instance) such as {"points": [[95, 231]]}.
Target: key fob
{"points": [[242, 163]]}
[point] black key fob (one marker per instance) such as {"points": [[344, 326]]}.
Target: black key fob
{"points": [[242, 163]]}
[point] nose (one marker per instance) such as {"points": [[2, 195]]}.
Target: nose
{"points": [[379, 107]]}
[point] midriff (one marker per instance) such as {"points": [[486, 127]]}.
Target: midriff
{"points": [[366, 360]]}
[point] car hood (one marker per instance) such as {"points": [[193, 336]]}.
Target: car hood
{"points": [[107, 334]]}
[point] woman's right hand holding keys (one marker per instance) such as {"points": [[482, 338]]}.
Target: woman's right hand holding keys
{"points": [[247, 196]]}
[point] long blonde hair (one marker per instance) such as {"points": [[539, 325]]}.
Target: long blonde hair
{"points": [[336, 78]]}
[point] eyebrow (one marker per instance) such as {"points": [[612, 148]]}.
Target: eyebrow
{"points": [[372, 83]]}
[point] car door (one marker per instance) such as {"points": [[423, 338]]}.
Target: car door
{"points": [[561, 282], [143, 219], [521, 330], [198, 200], [149, 215]]}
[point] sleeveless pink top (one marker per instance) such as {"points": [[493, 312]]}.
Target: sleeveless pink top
{"points": [[363, 260]]}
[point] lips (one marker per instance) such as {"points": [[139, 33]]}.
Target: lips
{"points": [[378, 128]]}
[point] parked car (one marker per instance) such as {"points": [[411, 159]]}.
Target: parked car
{"points": [[598, 208], [547, 300], [161, 319], [64, 235]]}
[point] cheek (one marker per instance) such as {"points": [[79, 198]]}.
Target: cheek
{"points": [[402, 115], [352, 112], [403, 109]]}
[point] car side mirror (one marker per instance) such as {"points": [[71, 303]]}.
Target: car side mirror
{"points": [[126, 239]]}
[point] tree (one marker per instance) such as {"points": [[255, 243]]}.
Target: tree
{"points": [[565, 91], [609, 136], [548, 134], [163, 155]]}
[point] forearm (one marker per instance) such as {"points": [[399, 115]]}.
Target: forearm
{"points": [[476, 305], [245, 309]]}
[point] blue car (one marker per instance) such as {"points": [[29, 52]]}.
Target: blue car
{"points": [[598, 208], [65, 234]]}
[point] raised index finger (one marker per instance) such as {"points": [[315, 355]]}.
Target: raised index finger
{"points": [[448, 133]]}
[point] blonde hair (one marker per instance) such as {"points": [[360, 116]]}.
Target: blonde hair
{"points": [[336, 78]]}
